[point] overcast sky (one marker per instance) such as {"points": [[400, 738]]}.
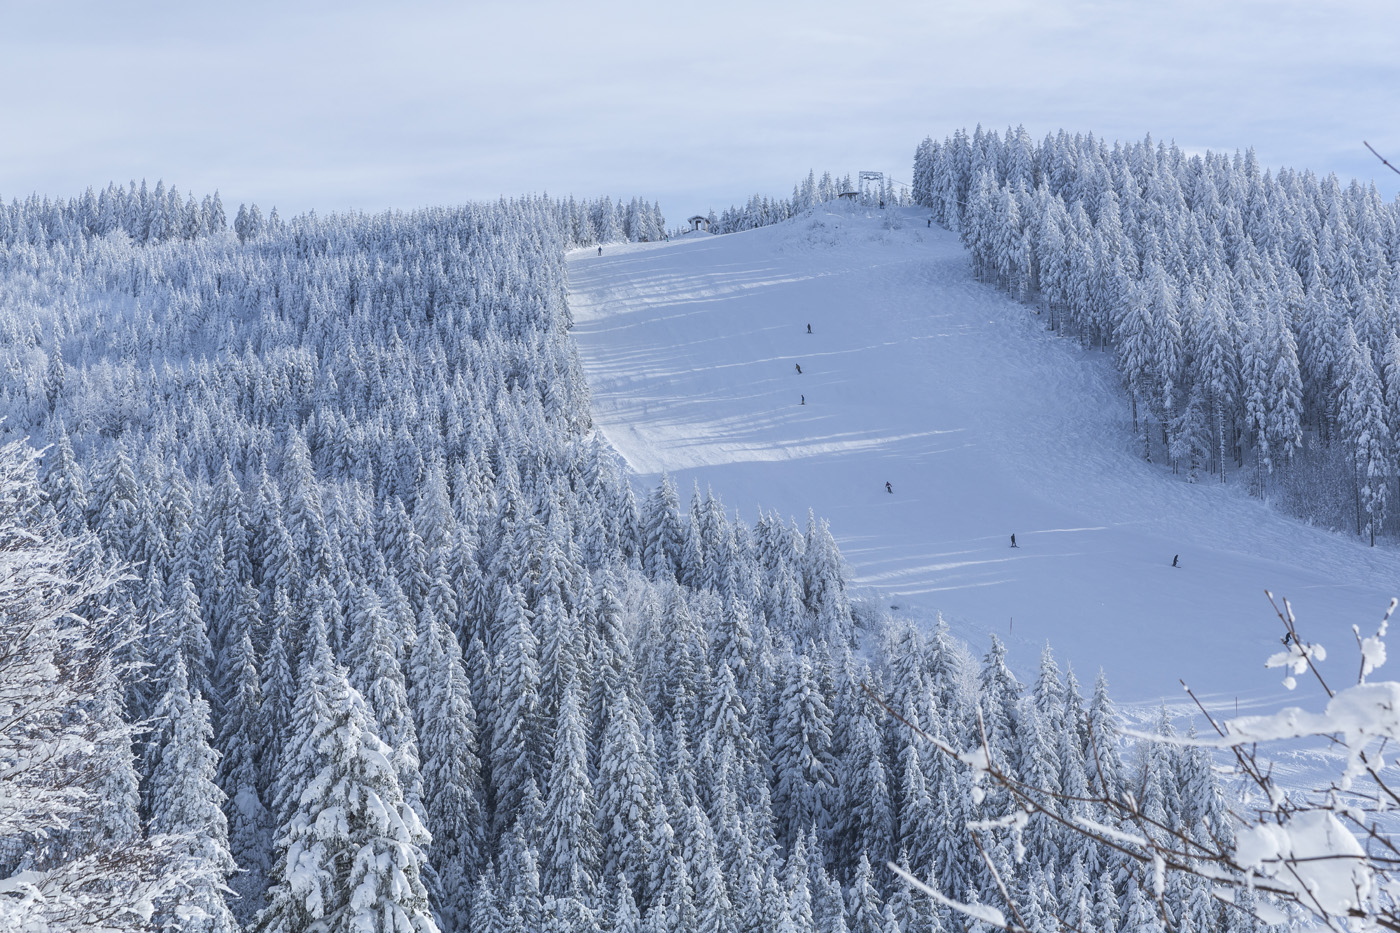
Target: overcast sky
{"points": [[696, 104]]}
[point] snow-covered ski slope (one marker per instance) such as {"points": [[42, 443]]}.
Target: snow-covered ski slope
{"points": [[984, 424]]}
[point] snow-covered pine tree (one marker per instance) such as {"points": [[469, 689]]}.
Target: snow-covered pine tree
{"points": [[240, 738], [569, 843], [803, 767], [1361, 421], [515, 723], [451, 769], [350, 852], [185, 800]]}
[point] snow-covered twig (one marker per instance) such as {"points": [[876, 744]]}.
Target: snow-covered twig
{"points": [[1323, 853], [986, 914]]}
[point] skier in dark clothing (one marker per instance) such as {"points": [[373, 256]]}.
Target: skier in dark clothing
{"points": [[888, 487], [930, 222], [600, 251], [1013, 541], [799, 368], [809, 328], [1174, 559], [804, 400]]}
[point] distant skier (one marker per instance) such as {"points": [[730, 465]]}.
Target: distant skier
{"points": [[1175, 557], [804, 400], [600, 251], [809, 328], [888, 488], [799, 368], [929, 223], [1013, 541]]}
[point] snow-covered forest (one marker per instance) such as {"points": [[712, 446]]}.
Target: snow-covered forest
{"points": [[397, 639], [1254, 315]]}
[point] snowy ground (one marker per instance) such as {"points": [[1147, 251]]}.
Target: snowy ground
{"points": [[985, 425]]}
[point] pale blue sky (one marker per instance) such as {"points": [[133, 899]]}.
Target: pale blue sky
{"points": [[697, 104]]}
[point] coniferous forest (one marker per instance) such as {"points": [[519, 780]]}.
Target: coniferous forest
{"points": [[1253, 315], [386, 640]]}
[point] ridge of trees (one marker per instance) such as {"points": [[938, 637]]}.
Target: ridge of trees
{"points": [[1253, 314]]}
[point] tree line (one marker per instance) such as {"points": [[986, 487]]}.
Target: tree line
{"points": [[1253, 314]]}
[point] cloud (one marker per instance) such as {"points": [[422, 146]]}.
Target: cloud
{"points": [[372, 106]]}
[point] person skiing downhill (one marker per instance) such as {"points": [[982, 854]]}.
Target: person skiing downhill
{"points": [[888, 488], [809, 328], [1175, 558], [799, 368], [1013, 541], [804, 400], [600, 251]]}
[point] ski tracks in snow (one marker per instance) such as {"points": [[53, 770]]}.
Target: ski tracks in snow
{"points": [[984, 424]]}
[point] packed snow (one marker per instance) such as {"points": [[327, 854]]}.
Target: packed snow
{"points": [[983, 423]]}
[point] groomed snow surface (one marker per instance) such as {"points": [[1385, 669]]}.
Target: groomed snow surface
{"points": [[985, 425]]}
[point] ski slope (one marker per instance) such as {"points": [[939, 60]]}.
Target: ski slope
{"points": [[984, 424]]}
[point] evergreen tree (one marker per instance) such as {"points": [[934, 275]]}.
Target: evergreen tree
{"points": [[1361, 420], [1103, 762], [802, 761], [663, 536], [863, 900], [185, 800], [350, 853], [249, 829], [1000, 698], [628, 793], [377, 674], [451, 769], [866, 806], [569, 844], [516, 712]]}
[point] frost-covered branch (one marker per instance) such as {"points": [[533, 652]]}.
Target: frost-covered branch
{"points": [[1324, 854], [74, 855]]}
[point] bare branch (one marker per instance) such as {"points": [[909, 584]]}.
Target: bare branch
{"points": [[1381, 157]]}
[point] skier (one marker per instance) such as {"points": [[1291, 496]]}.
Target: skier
{"points": [[804, 400], [1013, 541], [799, 368], [1174, 559], [888, 488], [809, 328], [930, 222], [600, 251]]}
